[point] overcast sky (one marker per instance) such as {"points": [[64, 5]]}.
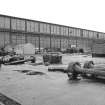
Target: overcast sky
{"points": [[87, 14]]}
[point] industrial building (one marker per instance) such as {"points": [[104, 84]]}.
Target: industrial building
{"points": [[14, 30]]}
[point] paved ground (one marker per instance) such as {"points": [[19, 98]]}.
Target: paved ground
{"points": [[51, 88]]}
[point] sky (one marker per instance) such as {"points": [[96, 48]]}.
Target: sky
{"points": [[86, 14]]}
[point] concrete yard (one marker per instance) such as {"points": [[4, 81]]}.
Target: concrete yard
{"points": [[51, 88]]}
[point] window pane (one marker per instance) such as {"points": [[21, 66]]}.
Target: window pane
{"points": [[2, 22], [7, 23]]}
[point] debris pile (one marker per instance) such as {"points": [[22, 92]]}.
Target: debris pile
{"points": [[17, 59]]}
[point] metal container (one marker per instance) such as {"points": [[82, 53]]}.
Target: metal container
{"points": [[52, 58]]}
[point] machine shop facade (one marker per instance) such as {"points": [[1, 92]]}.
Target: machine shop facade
{"points": [[14, 30]]}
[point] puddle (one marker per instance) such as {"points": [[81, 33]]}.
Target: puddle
{"points": [[30, 72], [35, 73], [23, 71]]}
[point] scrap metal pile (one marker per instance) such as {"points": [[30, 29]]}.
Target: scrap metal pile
{"points": [[16, 59]]}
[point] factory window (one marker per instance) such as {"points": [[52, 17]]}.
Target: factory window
{"points": [[70, 32], [4, 22], [48, 28], [44, 42], [7, 23], [20, 38], [78, 32], [18, 24], [32, 26], [97, 35], [4, 38], [53, 29], [75, 32], [44, 28], [57, 30], [85, 33], [1, 22], [36, 27], [100, 36], [13, 24], [34, 40], [61, 30], [90, 34], [81, 33], [66, 31], [104, 36], [28, 26]]}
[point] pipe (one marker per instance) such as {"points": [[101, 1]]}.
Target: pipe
{"points": [[94, 71]]}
